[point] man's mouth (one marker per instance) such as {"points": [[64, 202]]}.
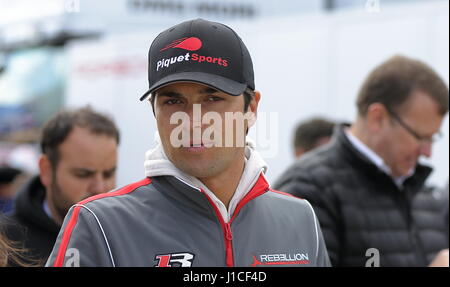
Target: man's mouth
{"points": [[196, 146]]}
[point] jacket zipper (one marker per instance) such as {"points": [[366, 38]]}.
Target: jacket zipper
{"points": [[228, 234], [229, 244], [260, 187]]}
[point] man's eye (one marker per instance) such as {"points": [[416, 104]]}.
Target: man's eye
{"points": [[214, 99], [172, 102], [109, 174]]}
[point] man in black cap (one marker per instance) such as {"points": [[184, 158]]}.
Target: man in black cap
{"points": [[205, 200]]}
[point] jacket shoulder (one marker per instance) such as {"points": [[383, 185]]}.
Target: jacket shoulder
{"points": [[286, 202], [116, 198]]}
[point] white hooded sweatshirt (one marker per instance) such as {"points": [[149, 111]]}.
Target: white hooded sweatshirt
{"points": [[157, 164]]}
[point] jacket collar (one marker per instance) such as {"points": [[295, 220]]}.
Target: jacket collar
{"points": [[29, 206], [196, 199]]}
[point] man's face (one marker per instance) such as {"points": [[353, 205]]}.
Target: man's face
{"points": [[194, 159], [401, 148], [86, 167]]}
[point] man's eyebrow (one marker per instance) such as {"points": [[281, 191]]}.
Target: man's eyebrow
{"points": [[111, 170], [81, 169], [90, 171], [169, 94]]}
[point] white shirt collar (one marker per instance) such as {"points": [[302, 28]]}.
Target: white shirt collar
{"points": [[46, 208], [376, 159]]}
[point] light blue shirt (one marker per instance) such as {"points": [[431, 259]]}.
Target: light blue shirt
{"points": [[46, 208]]}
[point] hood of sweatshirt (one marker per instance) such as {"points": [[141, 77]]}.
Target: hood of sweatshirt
{"points": [[157, 164]]}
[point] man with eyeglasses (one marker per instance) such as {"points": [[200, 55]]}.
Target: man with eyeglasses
{"points": [[367, 185]]}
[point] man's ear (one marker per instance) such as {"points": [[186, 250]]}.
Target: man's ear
{"points": [[45, 171], [254, 102], [376, 117], [299, 152], [253, 108]]}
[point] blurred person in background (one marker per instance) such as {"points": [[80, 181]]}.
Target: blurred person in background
{"points": [[365, 184], [311, 134], [18, 164], [7, 187], [79, 157]]}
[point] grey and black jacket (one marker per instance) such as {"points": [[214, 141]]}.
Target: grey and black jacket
{"points": [[163, 221]]}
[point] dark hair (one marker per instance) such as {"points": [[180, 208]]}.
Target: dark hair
{"points": [[309, 132], [57, 129], [248, 96], [392, 83]]}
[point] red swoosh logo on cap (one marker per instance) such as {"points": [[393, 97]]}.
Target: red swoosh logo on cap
{"points": [[190, 44]]}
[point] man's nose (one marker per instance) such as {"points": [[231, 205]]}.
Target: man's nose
{"points": [[425, 148], [98, 185]]}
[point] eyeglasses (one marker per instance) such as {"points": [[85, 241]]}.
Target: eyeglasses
{"points": [[437, 136]]}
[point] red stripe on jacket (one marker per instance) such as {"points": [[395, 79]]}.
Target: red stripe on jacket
{"points": [[74, 218]]}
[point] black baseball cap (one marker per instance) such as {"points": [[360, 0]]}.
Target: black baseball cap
{"points": [[200, 51]]}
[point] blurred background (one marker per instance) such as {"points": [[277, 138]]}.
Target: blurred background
{"points": [[310, 58]]}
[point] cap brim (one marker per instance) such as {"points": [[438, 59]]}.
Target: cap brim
{"points": [[220, 83]]}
